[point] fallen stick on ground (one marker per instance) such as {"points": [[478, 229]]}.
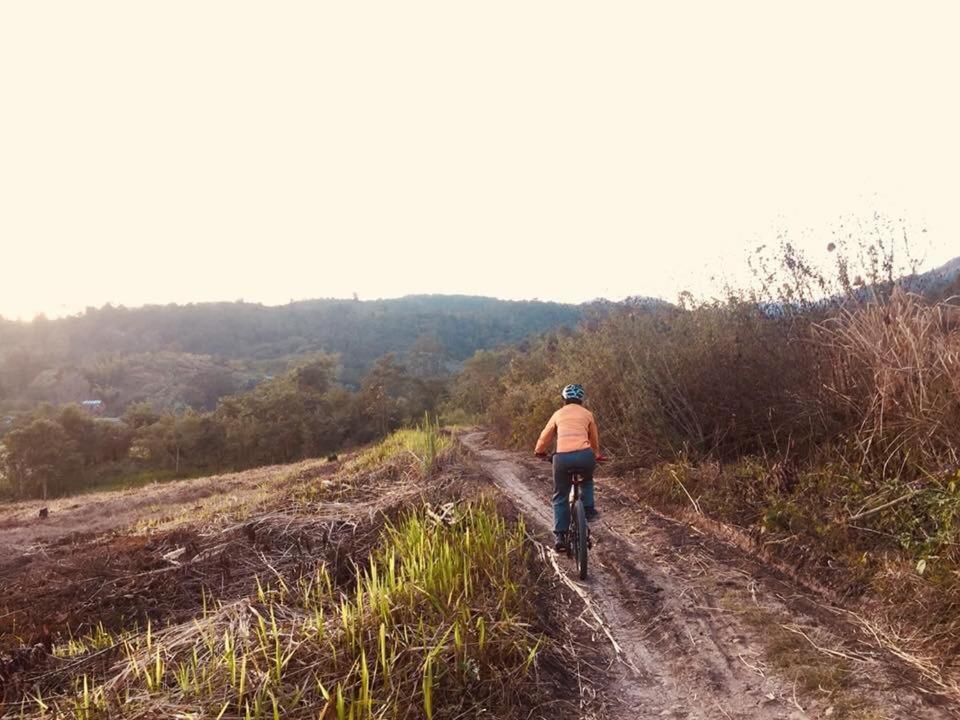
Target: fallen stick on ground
{"points": [[825, 650], [871, 511], [696, 505], [547, 555]]}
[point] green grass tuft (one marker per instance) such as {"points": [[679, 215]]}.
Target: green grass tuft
{"points": [[436, 625]]}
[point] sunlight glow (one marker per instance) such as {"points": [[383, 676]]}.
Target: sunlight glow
{"points": [[185, 152]]}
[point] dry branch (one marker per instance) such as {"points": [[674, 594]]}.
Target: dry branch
{"points": [[551, 557], [873, 511]]}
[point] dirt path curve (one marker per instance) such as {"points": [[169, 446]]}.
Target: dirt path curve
{"points": [[707, 633]]}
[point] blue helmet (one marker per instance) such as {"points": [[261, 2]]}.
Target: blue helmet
{"points": [[573, 392]]}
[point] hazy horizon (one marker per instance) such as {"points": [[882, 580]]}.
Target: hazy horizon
{"points": [[215, 151], [80, 310]]}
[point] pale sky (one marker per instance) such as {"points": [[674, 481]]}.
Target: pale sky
{"points": [[189, 151]]}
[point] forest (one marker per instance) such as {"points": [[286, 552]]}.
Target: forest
{"points": [[180, 357], [61, 449]]}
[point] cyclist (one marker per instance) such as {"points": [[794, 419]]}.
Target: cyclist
{"points": [[578, 446]]}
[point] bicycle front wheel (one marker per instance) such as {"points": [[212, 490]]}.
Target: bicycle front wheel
{"points": [[580, 514]]}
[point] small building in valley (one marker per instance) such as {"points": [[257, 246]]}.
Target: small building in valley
{"points": [[94, 407]]}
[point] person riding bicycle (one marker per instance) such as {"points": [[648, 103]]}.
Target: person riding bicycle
{"points": [[578, 447]]}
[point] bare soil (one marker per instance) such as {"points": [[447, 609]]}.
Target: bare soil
{"points": [[96, 513], [699, 628], [149, 562], [124, 559]]}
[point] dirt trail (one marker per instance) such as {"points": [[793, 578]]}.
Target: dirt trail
{"points": [[707, 632]]}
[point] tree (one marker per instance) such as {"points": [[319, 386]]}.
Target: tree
{"points": [[140, 415], [35, 458], [316, 375], [112, 441], [380, 389], [477, 383], [208, 385], [80, 430], [194, 440], [21, 366], [427, 356]]}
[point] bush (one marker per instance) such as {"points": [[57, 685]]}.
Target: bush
{"points": [[891, 384], [724, 379], [822, 413]]}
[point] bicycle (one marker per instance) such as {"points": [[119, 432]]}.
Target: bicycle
{"points": [[578, 531]]}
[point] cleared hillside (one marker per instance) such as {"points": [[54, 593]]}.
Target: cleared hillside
{"points": [[411, 580]]}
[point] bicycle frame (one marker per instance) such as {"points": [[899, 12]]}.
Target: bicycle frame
{"points": [[578, 531]]}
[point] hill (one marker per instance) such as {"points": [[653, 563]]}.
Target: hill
{"points": [[943, 281], [190, 355]]}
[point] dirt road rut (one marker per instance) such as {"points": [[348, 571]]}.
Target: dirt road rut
{"points": [[705, 632]]}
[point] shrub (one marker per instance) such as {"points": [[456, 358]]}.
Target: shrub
{"points": [[891, 382]]}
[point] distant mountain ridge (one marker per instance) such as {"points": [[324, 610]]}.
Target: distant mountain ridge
{"points": [[948, 272], [941, 281], [189, 355]]}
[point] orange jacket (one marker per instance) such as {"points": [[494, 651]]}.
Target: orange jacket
{"points": [[575, 429]]}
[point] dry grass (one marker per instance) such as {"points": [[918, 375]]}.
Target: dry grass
{"points": [[433, 624], [892, 379], [817, 672], [432, 614]]}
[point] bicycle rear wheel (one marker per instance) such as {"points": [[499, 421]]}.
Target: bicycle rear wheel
{"points": [[580, 515]]}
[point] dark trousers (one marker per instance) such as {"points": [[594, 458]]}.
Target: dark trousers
{"points": [[585, 462]]}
